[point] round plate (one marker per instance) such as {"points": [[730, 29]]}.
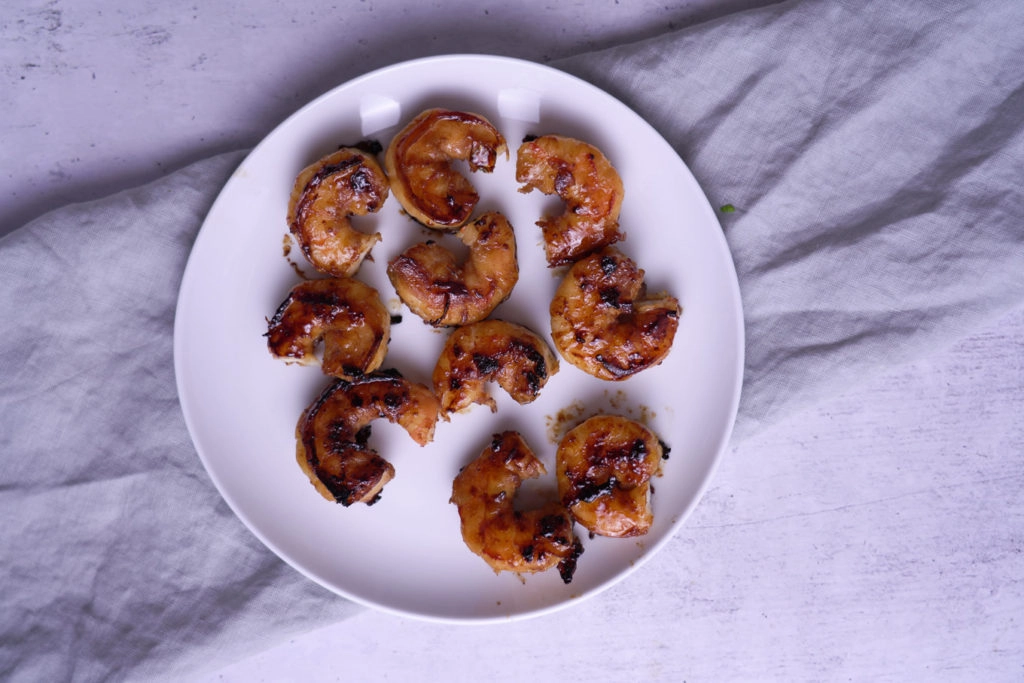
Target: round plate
{"points": [[405, 553]]}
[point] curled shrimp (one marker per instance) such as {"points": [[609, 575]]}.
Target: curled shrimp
{"points": [[326, 195], [506, 538], [431, 282], [343, 314], [604, 467], [418, 161], [515, 357], [332, 434], [588, 184], [603, 322]]}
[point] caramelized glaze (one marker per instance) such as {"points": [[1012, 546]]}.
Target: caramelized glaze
{"points": [[588, 184], [343, 314], [332, 434], [519, 541], [604, 467], [515, 357], [442, 291], [419, 164], [603, 322], [325, 196]]}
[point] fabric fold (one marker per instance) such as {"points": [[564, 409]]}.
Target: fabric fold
{"points": [[118, 555], [870, 151]]}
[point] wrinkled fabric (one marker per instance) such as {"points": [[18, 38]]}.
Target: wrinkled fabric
{"points": [[872, 153], [117, 555]]}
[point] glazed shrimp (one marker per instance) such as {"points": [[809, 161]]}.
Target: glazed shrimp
{"points": [[418, 161], [604, 467], [517, 359], [443, 292], [331, 436], [507, 539], [343, 314], [588, 184], [603, 322], [326, 195]]}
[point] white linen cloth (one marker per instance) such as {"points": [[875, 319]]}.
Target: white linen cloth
{"points": [[873, 153]]}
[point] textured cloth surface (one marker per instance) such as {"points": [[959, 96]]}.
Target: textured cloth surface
{"points": [[872, 152], [117, 554]]}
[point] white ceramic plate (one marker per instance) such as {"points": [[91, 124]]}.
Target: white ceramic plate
{"points": [[405, 554]]}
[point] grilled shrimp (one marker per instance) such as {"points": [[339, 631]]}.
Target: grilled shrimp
{"points": [[602, 321], [508, 539], [331, 436], [443, 292], [419, 163], [588, 184], [326, 195], [603, 468], [344, 314], [491, 350]]}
